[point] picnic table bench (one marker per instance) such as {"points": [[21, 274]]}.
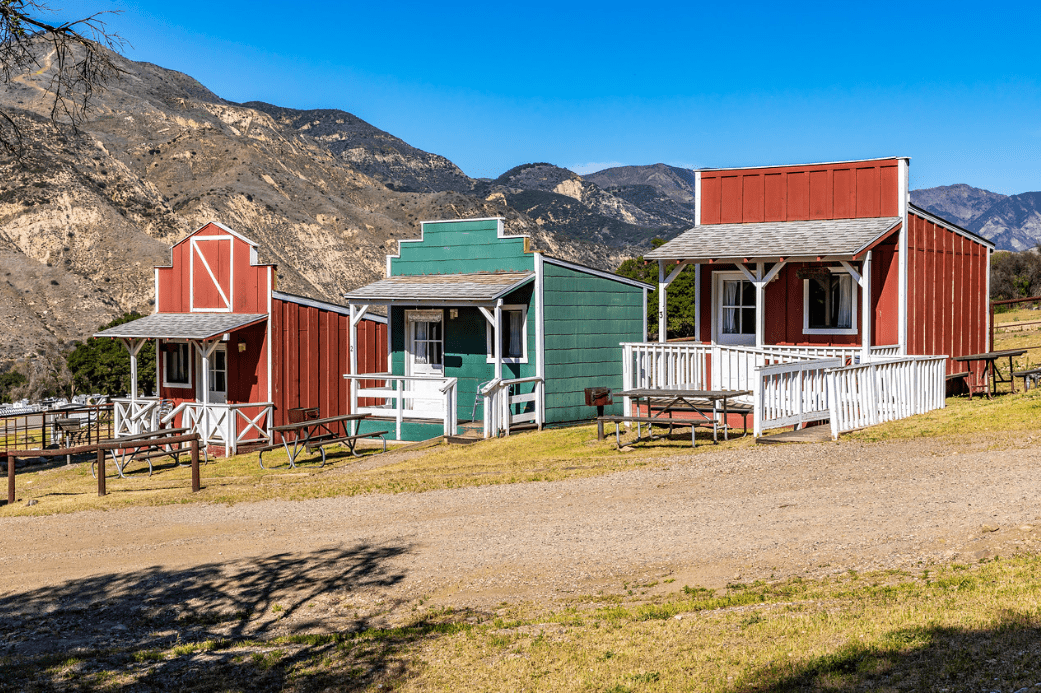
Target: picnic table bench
{"points": [[670, 422], [983, 381], [1030, 377], [317, 434], [146, 447]]}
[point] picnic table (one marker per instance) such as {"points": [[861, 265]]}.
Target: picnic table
{"points": [[145, 446], [983, 381], [315, 434], [672, 400]]}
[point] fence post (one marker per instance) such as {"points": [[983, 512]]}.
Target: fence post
{"points": [[195, 464], [833, 402], [101, 471], [10, 478]]}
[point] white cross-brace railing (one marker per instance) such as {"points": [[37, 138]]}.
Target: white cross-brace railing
{"points": [[884, 390], [227, 425], [133, 416]]}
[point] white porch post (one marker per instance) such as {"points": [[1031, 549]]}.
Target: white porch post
{"points": [[356, 314], [865, 310], [760, 302], [498, 339], [662, 286]]}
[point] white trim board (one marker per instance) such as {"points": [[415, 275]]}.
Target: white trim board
{"points": [[811, 163], [598, 273], [323, 305], [489, 346]]}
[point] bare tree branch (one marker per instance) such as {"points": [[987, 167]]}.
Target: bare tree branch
{"points": [[78, 54]]}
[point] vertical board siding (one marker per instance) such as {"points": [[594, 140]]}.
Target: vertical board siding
{"points": [[947, 306], [248, 293], [794, 193], [312, 355], [587, 318]]}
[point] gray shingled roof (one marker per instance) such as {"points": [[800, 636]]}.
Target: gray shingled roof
{"points": [[470, 288], [182, 325], [775, 239]]}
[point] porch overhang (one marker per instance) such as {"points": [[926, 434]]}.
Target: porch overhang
{"points": [[476, 289], [195, 326], [821, 240]]}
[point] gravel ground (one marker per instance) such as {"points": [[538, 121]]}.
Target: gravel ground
{"points": [[158, 574]]}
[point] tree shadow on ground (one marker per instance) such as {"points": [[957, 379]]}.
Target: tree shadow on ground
{"points": [[304, 621], [1005, 657]]}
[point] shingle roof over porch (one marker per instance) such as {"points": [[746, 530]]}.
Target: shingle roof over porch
{"points": [[182, 325], [776, 239], [480, 287]]}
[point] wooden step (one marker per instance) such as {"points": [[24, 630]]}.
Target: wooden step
{"points": [[463, 440]]}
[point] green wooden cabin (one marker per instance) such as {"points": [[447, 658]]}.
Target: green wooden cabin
{"points": [[485, 335]]}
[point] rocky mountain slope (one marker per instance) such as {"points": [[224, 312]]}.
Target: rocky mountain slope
{"points": [[667, 191], [85, 216], [959, 203], [561, 199], [1012, 222]]}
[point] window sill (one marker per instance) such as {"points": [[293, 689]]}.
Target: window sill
{"points": [[822, 330], [508, 359]]}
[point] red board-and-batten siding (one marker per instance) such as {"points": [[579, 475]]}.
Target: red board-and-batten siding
{"points": [[309, 343], [947, 308], [947, 271], [798, 193]]}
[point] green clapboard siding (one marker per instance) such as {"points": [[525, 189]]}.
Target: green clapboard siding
{"points": [[587, 317], [461, 247]]}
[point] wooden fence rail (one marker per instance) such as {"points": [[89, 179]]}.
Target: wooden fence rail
{"points": [[100, 449]]}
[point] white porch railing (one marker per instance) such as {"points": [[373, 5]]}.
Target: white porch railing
{"points": [[789, 394], [885, 390], [227, 425], [133, 416], [503, 397], [715, 367], [433, 399]]}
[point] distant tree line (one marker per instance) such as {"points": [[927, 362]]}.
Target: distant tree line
{"points": [[1015, 275], [103, 365], [679, 297]]}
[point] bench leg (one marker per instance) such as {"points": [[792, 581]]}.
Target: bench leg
{"points": [[617, 435]]}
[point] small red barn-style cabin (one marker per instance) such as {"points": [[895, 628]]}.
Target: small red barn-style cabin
{"points": [[234, 354], [810, 262]]}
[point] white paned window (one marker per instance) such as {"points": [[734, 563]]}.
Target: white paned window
{"points": [[738, 307], [830, 303], [514, 335], [177, 364]]}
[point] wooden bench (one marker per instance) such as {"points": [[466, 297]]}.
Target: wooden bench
{"points": [[1029, 377], [319, 443], [619, 420]]}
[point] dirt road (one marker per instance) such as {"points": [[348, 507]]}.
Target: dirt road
{"points": [[708, 520]]}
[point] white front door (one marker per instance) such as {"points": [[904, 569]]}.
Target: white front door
{"points": [[425, 356], [218, 384]]}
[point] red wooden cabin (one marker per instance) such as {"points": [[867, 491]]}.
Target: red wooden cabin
{"points": [[220, 322], [830, 254], [816, 261]]}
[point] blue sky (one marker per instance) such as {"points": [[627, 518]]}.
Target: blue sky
{"points": [[956, 86]]}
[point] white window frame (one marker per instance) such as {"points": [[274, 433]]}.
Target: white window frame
{"points": [[854, 301], [718, 336], [191, 354], [489, 332]]}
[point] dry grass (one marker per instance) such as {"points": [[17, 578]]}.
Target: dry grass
{"points": [[551, 455], [952, 628]]}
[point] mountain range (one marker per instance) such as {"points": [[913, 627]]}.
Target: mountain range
{"points": [[86, 213]]}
